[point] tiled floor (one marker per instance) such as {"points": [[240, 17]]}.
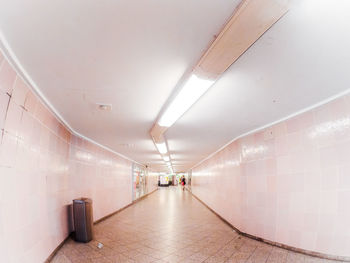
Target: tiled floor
{"points": [[171, 226]]}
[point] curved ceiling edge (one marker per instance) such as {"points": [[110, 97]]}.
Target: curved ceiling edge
{"points": [[13, 60], [314, 106]]}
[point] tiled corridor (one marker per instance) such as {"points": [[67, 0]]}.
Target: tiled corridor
{"points": [[171, 226]]}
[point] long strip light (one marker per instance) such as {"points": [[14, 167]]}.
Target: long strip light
{"points": [[193, 89], [162, 148], [166, 158]]}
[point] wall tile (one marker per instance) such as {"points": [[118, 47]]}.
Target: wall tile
{"points": [[13, 118], [7, 77], [4, 101], [20, 91]]}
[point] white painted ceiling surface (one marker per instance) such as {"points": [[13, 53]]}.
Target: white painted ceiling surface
{"points": [[132, 55]]}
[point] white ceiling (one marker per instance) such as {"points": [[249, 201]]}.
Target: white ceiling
{"points": [[132, 55]]}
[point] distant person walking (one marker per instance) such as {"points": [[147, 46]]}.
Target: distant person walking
{"points": [[183, 183]]}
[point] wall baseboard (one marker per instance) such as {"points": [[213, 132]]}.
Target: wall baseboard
{"points": [[48, 260], [276, 244], [51, 256]]}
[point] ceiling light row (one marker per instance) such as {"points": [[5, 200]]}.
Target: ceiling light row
{"points": [[251, 18], [162, 148], [193, 89]]}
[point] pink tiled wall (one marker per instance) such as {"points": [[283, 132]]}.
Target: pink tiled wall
{"points": [[42, 168], [289, 183], [152, 182]]}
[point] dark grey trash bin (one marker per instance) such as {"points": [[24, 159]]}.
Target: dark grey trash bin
{"points": [[83, 220]]}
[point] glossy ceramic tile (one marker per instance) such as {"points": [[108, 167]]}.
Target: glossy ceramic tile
{"points": [[171, 226], [288, 183], [42, 168]]}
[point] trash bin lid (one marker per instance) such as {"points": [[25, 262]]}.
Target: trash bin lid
{"points": [[82, 200]]}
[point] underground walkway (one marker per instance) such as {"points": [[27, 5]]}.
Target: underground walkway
{"points": [[172, 226]]}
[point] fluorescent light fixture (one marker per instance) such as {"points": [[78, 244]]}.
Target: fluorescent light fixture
{"points": [[193, 89], [166, 158], [162, 147]]}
